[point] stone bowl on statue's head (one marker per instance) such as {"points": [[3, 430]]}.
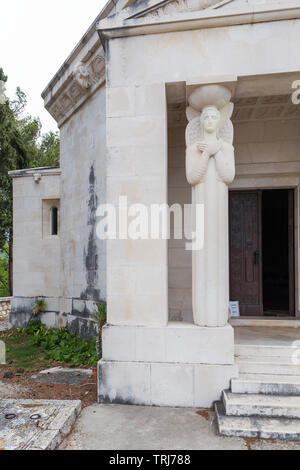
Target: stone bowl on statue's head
{"points": [[209, 95]]}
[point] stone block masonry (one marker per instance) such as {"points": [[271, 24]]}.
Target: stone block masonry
{"points": [[5, 303]]}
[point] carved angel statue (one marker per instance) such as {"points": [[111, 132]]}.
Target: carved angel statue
{"points": [[210, 168], [209, 134]]}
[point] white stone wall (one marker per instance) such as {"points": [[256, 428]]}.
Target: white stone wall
{"points": [[36, 254], [241, 50], [36, 259], [83, 182], [267, 147], [68, 270], [137, 168], [180, 260]]}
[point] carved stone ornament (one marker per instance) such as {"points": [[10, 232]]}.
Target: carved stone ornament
{"points": [[179, 6], [82, 76], [37, 177]]}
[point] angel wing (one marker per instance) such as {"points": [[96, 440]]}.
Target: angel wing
{"points": [[226, 132], [226, 128], [194, 132]]}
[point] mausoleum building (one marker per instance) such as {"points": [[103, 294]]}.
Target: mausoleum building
{"points": [[189, 104]]}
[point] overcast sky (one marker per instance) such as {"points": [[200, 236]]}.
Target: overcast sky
{"points": [[36, 36]]}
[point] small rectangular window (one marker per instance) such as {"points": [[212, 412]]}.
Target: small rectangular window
{"points": [[54, 220], [50, 217]]}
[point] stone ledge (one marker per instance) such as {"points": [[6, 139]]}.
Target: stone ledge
{"points": [[176, 343]]}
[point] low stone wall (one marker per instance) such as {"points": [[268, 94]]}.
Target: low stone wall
{"points": [[73, 313], [5, 304]]}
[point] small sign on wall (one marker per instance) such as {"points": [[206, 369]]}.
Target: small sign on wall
{"points": [[234, 309]]}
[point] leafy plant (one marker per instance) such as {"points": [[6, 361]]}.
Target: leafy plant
{"points": [[61, 346], [39, 306], [4, 266], [99, 316]]}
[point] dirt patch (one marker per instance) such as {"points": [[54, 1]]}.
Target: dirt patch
{"points": [[20, 385], [251, 442], [205, 414]]}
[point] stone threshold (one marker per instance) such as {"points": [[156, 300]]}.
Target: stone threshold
{"points": [[288, 322]]}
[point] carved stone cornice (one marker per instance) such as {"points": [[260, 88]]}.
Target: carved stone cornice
{"points": [[77, 84], [155, 17], [173, 7]]}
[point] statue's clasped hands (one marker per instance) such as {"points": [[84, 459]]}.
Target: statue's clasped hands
{"points": [[209, 147]]}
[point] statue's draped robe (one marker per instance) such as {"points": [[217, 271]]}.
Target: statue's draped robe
{"points": [[209, 177]]}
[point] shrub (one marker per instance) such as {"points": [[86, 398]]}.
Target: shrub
{"points": [[61, 346]]}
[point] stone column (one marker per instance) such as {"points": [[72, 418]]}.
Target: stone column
{"points": [[137, 273], [210, 169]]}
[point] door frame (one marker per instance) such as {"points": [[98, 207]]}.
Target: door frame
{"points": [[241, 186]]}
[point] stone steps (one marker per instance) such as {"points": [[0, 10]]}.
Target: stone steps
{"points": [[251, 350], [264, 401], [262, 405], [257, 427], [239, 404], [267, 365], [285, 385]]}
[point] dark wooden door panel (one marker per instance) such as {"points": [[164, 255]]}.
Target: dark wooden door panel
{"points": [[291, 237], [245, 251]]}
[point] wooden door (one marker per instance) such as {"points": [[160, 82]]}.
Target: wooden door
{"points": [[291, 242], [245, 251]]}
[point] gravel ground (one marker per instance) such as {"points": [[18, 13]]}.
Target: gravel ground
{"points": [[12, 390]]}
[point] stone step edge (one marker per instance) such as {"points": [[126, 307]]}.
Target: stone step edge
{"points": [[263, 346], [272, 379], [227, 402], [266, 360], [246, 432], [266, 387]]}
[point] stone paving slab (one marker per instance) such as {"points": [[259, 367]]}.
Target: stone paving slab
{"points": [[128, 427], [62, 375], [36, 424]]}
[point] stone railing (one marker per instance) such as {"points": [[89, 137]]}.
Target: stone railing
{"points": [[4, 306]]}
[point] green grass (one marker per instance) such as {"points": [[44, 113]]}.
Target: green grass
{"points": [[20, 352], [36, 347]]}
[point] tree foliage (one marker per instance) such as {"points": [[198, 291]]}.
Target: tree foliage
{"points": [[4, 283], [21, 146]]}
